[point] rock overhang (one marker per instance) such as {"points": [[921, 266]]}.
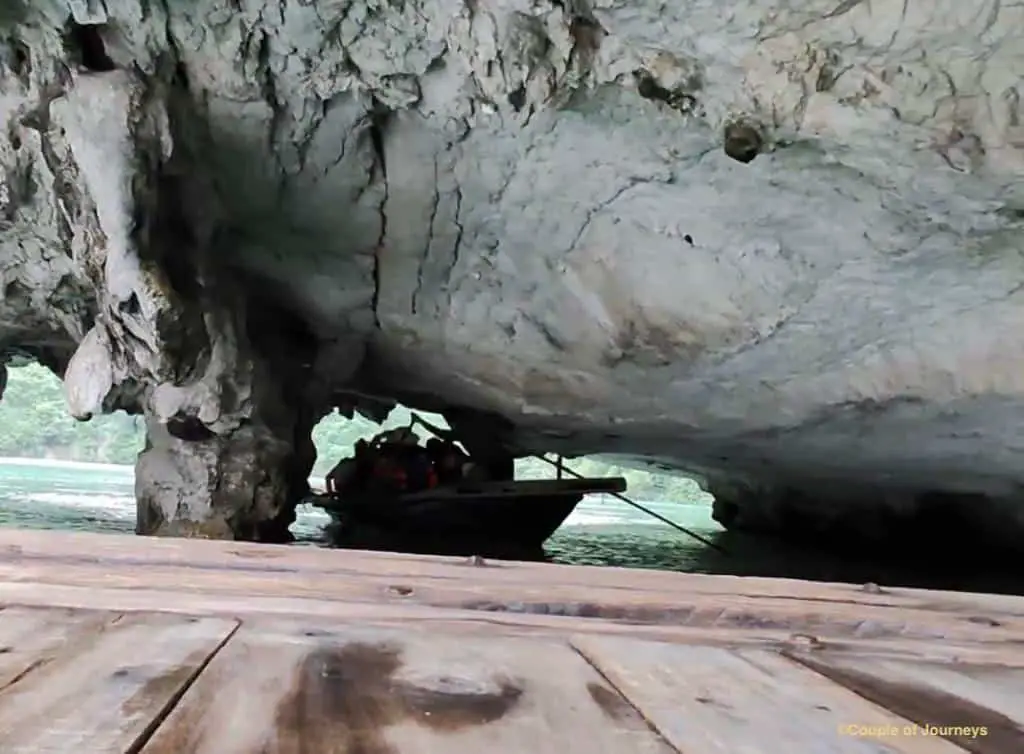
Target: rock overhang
{"points": [[531, 209]]}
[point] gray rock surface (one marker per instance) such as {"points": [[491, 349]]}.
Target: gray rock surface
{"points": [[775, 243]]}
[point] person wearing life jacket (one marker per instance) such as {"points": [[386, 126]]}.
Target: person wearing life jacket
{"points": [[420, 469], [389, 473], [448, 460], [349, 473]]}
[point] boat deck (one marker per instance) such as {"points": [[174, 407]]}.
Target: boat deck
{"points": [[159, 646]]}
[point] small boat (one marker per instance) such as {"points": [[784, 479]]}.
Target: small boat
{"points": [[504, 519]]}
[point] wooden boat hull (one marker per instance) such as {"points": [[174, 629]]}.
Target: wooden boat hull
{"points": [[497, 527], [502, 519]]}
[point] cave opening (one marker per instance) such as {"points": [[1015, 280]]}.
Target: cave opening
{"points": [[86, 47], [57, 472], [601, 530]]}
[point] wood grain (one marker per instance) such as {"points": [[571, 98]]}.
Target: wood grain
{"points": [[30, 636], [522, 589], [720, 701], [112, 644], [978, 707], [377, 567], [104, 689], [281, 690], [723, 612], [331, 613]]}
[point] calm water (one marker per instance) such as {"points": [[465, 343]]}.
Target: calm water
{"points": [[41, 494], [36, 494]]}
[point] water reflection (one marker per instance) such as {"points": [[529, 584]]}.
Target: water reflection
{"points": [[748, 555]]}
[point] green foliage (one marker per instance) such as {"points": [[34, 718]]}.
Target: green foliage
{"points": [[34, 423]]}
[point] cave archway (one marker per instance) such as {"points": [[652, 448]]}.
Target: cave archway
{"points": [[598, 517], [334, 438], [57, 472]]}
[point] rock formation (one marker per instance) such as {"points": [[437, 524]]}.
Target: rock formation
{"points": [[775, 244]]}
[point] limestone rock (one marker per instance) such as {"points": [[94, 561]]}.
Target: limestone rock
{"points": [[244, 213]]}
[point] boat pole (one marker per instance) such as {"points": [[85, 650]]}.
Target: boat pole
{"points": [[560, 466]]}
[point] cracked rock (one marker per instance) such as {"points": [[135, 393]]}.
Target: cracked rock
{"points": [[232, 216]]}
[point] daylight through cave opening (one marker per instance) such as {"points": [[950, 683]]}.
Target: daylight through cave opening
{"points": [[673, 496], [36, 422], [37, 425]]}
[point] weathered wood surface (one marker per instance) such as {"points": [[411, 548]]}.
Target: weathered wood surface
{"points": [[979, 707], [107, 685], [163, 684], [19, 547], [280, 690], [30, 636], [369, 653], [319, 614], [138, 573], [720, 701]]}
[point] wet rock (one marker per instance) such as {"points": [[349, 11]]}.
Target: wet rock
{"points": [[233, 486]]}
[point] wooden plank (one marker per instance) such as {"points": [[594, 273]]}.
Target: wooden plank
{"points": [[542, 596], [18, 547], [29, 636], [720, 701], [105, 691], [282, 579], [283, 690], [315, 611], [111, 550], [980, 708]]}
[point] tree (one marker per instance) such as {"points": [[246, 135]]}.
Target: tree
{"points": [[35, 423]]}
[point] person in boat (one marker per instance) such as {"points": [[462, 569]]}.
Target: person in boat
{"points": [[448, 460], [495, 465], [403, 465], [388, 473], [422, 471], [350, 472]]}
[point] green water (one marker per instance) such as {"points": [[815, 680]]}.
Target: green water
{"points": [[41, 494], [37, 494]]}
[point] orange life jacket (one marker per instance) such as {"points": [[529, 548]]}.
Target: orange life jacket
{"points": [[386, 469]]}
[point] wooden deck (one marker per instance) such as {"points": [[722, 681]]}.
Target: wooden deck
{"points": [[123, 644]]}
